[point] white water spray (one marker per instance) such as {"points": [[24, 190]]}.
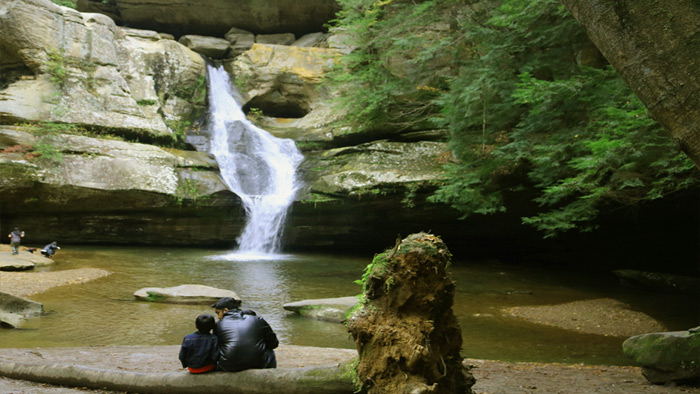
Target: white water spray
{"points": [[258, 167]]}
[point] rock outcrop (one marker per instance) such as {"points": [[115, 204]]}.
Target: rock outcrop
{"points": [[215, 17], [667, 356], [184, 294], [408, 338], [60, 65], [106, 190]]}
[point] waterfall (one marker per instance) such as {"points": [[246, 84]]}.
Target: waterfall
{"points": [[258, 167]]}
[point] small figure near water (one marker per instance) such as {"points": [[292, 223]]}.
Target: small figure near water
{"points": [[246, 341], [15, 238], [50, 249], [200, 350]]}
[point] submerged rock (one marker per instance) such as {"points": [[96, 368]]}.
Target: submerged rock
{"points": [[13, 310], [184, 294], [405, 331], [667, 356], [326, 309]]}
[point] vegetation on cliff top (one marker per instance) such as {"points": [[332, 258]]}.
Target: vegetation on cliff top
{"points": [[529, 102]]}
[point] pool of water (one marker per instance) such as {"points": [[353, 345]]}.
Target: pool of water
{"points": [[104, 311]]}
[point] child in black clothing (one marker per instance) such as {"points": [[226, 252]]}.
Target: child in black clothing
{"points": [[200, 350]]}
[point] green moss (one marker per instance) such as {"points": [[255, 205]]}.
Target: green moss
{"points": [[146, 102], [154, 297]]}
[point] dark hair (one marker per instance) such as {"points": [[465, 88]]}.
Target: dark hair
{"points": [[227, 303], [205, 323]]}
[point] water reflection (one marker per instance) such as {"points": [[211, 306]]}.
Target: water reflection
{"points": [[104, 311]]}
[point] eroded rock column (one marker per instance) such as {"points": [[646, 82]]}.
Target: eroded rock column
{"points": [[408, 338]]}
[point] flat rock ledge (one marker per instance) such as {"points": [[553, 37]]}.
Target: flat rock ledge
{"points": [[327, 309], [22, 261], [184, 294], [331, 379]]}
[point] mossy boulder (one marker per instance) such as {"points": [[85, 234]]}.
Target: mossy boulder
{"points": [[667, 356]]}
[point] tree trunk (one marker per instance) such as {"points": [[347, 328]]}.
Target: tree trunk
{"points": [[655, 46]]}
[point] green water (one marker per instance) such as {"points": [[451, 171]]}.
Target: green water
{"points": [[104, 311]]}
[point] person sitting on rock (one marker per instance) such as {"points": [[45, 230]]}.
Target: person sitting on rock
{"points": [[200, 350], [246, 341], [50, 249]]}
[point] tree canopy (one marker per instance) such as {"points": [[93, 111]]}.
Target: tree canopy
{"points": [[529, 102]]}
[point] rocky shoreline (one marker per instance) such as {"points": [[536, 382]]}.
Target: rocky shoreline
{"points": [[491, 376]]}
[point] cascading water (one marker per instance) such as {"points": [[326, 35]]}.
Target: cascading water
{"points": [[258, 167]]}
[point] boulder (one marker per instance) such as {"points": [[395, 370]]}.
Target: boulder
{"points": [[215, 17], [212, 47], [241, 41], [184, 294], [13, 310], [276, 39], [310, 40], [326, 309], [667, 356], [282, 81]]}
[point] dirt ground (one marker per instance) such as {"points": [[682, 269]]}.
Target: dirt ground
{"points": [[492, 377]]}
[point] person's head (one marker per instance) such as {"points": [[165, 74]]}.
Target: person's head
{"points": [[54, 243], [205, 323], [224, 305], [16, 228]]}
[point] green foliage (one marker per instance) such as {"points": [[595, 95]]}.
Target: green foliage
{"points": [[372, 81], [146, 102], [67, 3], [525, 108], [56, 67]]}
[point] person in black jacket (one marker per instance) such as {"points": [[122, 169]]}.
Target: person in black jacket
{"points": [[200, 350], [246, 341]]}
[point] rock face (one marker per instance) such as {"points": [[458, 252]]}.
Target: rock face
{"points": [[13, 310], [667, 356], [184, 294], [215, 17], [405, 331], [59, 65], [101, 190], [326, 309]]}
